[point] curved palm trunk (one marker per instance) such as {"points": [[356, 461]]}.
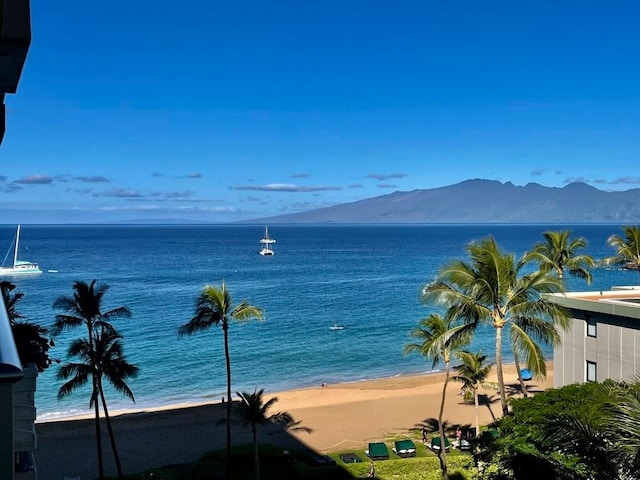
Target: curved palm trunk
{"points": [[112, 438], [225, 328], [503, 394], [255, 451], [477, 405], [523, 386], [442, 454], [96, 408]]}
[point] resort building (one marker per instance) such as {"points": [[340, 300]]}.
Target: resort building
{"points": [[17, 386], [603, 340], [15, 39]]}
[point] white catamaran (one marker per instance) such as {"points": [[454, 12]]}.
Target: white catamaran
{"points": [[267, 242], [20, 267]]}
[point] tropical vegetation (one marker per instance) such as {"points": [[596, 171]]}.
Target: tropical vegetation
{"points": [[214, 307], [472, 372], [627, 247], [438, 339], [32, 340], [559, 252], [101, 359], [578, 432], [492, 288], [100, 352], [252, 410]]}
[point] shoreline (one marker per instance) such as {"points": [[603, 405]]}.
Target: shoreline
{"points": [[342, 416], [391, 382]]}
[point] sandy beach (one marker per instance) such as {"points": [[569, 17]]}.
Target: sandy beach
{"points": [[342, 416]]}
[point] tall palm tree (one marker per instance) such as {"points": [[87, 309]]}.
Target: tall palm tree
{"points": [[627, 248], [491, 288], [84, 307], [438, 338], [104, 359], [214, 307], [252, 411], [472, 372], [559, 253]]}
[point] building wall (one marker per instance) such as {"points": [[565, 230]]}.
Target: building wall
{"points": [[614, 350], [24, 411]]}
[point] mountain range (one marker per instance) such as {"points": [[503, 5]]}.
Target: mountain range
{"points": [[483, 201]]}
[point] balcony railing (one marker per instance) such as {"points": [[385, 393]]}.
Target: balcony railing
{"points": [[10, 373]]}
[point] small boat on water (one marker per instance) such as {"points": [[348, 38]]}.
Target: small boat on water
{"points": [[336, 326], [19, 267], [267, 243]]}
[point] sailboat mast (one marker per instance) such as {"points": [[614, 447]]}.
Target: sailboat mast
{"points": [[15, 252]]}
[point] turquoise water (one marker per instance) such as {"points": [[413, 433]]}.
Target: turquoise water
{"points": [[367, 278]]}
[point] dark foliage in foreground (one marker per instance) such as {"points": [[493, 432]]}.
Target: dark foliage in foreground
{"points": [[275, 465], [577, 432], [32, 341]]}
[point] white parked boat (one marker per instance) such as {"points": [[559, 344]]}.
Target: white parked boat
{"points": [[19, 267], [335, 326], [267, 242]]}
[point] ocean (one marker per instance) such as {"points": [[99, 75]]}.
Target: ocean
{"points": [[367, 278]]}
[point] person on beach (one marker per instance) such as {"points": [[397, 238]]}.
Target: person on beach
{"points": [[372, 470], [458, 436], [424, 435]]}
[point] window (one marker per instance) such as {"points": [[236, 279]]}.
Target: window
{"points": [[592, 330], [591, 371]]}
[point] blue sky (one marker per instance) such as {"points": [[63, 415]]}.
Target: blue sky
{"points": [[223, 111]]}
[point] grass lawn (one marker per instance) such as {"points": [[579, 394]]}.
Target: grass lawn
{"points": [[303, 465]]}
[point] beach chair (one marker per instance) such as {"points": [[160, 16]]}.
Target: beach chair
{"points": [[435, 444], [405, 448], [377, 451], [350, 458]]}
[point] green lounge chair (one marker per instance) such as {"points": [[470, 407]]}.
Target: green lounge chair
{"points": [[435, 444], [377, 451], [405, 448]]}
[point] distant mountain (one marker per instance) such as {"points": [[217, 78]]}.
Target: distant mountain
{"points": [[483, 201]]}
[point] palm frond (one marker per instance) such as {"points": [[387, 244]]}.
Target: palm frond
{"points": [[438, 336], [532, 352], [80, 374], [243, 311]]}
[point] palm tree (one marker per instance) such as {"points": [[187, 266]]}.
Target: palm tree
{"points": [[85, 308], [252, 411], [472, 372], [439, 337], [103, 358], [213, 308], [559, 253], [491, 288], [627, 248]]}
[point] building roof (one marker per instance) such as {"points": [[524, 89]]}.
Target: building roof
{"points": [[623, 301]]}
